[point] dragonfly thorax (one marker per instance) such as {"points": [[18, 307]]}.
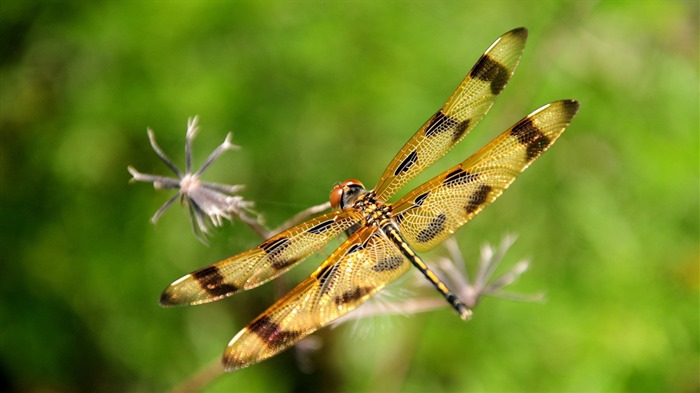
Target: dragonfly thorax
{"points": [[352, 194]]}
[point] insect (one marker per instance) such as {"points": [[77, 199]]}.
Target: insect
{"points": [[384, 238]]}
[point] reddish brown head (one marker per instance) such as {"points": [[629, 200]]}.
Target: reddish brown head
{"points": [[345, 193]]}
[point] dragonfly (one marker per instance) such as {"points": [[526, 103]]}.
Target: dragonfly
{"points": [[384, 238]]}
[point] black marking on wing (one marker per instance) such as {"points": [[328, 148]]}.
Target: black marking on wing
{"points": [[537, 146], [460, 129], [352, 295], [440, 123], [389, 263], [323, 274], [167, 299], [274, 249], [211, 280], [355, 248], [478, 198], [490, 70], [435, 124], [570, 107], [271, 333], [326, 277], [435, 227], [281, 263], [417, 202], [273, 246], [407, 163], [420, 199], [457, 177], [528, 134], [320, 228]]}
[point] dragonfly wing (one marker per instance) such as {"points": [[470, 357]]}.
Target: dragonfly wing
{"points": [[256, 266], [460, 114], [432, 212], [360, 267]]}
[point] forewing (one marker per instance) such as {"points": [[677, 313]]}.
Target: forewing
{"points": [[258, 265], [433, 211], [460, 114], [363, 265]]}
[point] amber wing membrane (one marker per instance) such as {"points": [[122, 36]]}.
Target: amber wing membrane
{"points": [[256, 266], [460, 114], [360, 267], [432, 212]]}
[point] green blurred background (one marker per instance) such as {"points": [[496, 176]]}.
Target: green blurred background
{"points": [[316, 93]]}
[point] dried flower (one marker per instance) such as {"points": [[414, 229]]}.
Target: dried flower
{"points": [[209, 203], [452, 271]]}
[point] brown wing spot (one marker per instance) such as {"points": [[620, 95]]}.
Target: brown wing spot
{"points": [[525, 131], [478, 198], [389, 263], [528, 134], [211, 280], [320, 228], [281, 263], [460, 129], [519, 31], [537, 146], [274, 249], [352, 295], [407, 163], [490, 70], [570, 107], [436, 226], [457, 177], [271, 333], [440, 123], [168, 299]]}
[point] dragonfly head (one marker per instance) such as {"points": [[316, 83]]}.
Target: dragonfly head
{"points": [[345, 193]]}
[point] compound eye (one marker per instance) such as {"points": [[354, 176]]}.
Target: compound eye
{"points": [[348, 189], [336, 195]]}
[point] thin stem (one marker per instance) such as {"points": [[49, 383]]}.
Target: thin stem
{"points": [[227, 145], [204, 377], [255, 225], [301, 216], [161, 154], [163, 208], [189, 137]]}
